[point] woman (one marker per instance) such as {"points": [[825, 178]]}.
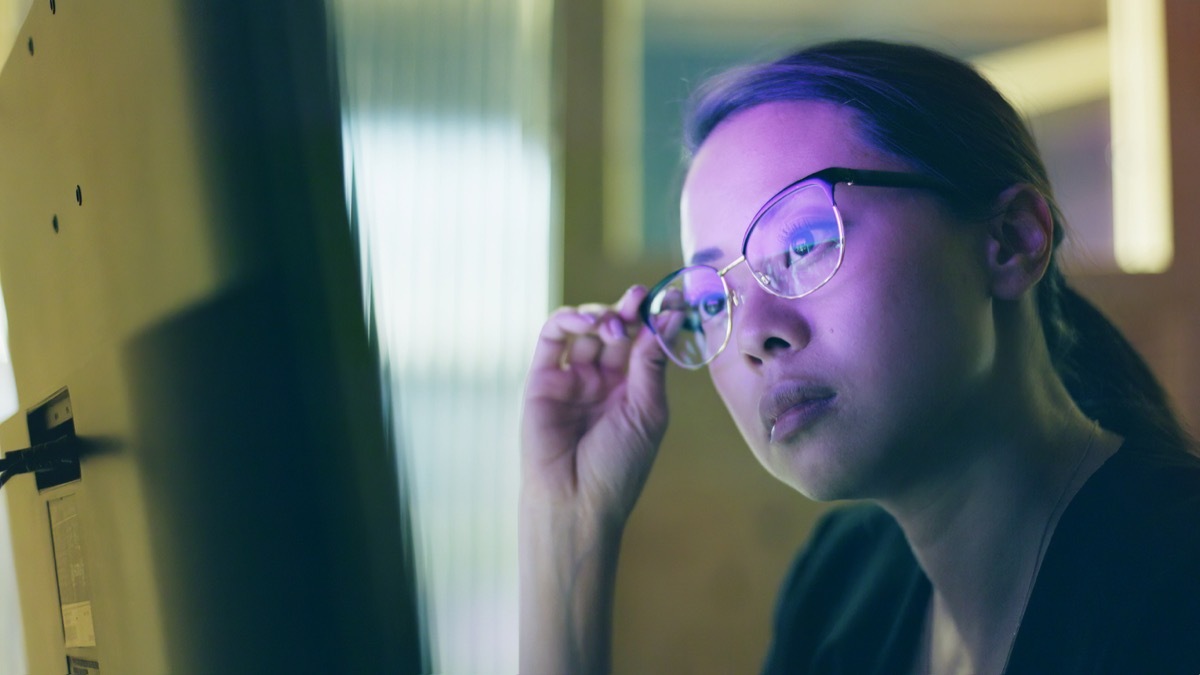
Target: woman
{"points": [[872, 284]]}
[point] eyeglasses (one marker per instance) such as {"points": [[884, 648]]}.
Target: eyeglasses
{"points": [[794, 245]]}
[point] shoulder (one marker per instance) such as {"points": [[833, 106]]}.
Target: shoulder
{"points": [[855, 582], [1150, 556], [1141, 501], [1120, 584]]}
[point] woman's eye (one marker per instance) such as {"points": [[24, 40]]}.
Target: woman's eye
{"points": [[712, 305], [802, 243], [805, 241]]}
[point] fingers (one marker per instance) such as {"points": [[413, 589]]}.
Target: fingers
{"points": [[617, 343], [557, 335], [627, 306], [590, 334]]}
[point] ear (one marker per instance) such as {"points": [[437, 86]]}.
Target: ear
{"points": [[1020, 241]]}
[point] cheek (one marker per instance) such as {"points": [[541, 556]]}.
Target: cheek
{"points": [[924, 326], [734, 384]]}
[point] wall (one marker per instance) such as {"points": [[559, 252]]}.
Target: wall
{"points": [[12, 638]]}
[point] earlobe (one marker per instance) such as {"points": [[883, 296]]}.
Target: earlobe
{"points": [[1020, 241]]}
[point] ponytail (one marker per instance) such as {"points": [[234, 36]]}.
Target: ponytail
{"points": [[1106, 377]]}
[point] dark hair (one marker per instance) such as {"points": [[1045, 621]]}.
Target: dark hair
{"points": [[938, 114]]}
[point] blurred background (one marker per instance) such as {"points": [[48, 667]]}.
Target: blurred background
{"points": [[506, 156]]}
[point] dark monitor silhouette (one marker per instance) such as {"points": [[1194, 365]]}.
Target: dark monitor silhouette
{"points": [[184, 299]]}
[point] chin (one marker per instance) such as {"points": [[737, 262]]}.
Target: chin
{"points": [[824, 491], [814, 471]]}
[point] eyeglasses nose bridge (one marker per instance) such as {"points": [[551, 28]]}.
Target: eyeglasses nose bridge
{"points": [[725, 270]]}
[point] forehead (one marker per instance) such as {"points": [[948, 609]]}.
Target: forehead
{"points": [[757, 152]]}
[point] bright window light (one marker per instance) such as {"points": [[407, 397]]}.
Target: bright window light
{"points": [[447, 155]]}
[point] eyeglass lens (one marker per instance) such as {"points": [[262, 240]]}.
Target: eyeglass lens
{"points": [[690, 315], [793, 248]]}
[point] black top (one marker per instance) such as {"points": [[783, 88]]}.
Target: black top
{"points": [[1118, 590]]}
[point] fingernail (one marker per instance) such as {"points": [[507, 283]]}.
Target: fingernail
{"points": [[616, 328]]}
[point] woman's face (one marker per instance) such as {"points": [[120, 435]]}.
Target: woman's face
{"points": [[869, 383]]}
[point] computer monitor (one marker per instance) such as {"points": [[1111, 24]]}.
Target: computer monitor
{"points": [[184, 297]]}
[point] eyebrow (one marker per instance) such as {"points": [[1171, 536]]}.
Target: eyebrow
{"points": [[705, 256]]}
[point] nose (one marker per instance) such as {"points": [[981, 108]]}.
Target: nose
{"points": [[766, 326]]}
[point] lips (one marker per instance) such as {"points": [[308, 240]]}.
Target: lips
{"points": [[793, 406]]}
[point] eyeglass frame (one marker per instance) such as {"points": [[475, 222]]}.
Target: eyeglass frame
{"points": [[827, 178]]}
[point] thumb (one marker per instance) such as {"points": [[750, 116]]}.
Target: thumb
{"points": [[646, 388]]}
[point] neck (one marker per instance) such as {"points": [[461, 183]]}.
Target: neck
{"points": [[979, 527]]}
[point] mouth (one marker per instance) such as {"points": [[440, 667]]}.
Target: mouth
{"points": [[789, 409]]}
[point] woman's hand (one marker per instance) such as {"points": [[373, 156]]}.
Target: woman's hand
{"points": [[595, 410], [595, 413]]}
